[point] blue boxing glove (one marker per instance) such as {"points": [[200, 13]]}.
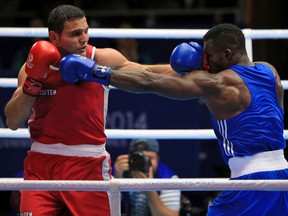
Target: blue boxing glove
{"points": [[187, 57], [76, 67]]}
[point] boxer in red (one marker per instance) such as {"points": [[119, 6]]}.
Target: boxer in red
{"points": [[66, 118]]}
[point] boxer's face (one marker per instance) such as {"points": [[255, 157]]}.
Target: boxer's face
{"points": [[74, 37], [217, 58]]}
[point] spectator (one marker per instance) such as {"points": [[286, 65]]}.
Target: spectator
{"points": [[139, 203]]}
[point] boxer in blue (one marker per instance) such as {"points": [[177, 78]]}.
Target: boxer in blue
{"points": [[245, 100]]}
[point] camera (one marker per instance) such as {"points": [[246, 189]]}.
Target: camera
{"points": [[137, 162]]}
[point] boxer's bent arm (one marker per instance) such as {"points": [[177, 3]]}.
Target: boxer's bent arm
{"points": [[19, 108]]}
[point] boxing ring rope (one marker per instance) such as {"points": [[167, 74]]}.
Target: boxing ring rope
{"points": [[145, 33], [199, 134], [114, 186], [12, 83]]}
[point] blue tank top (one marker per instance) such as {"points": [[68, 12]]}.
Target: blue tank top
{"points": [[260, 127]]}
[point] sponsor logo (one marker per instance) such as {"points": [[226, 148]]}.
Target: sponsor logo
{"points": [[26, 214], [48, 92]]}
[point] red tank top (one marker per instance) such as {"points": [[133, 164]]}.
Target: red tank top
{"points": [[70, 113]]}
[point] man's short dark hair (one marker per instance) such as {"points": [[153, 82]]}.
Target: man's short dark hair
{"points": [[226, 36], [59, 15]]}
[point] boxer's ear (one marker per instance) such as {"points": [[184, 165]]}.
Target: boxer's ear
{"points": [[54, 37]]}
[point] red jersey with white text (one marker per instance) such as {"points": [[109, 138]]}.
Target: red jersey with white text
{"points": [[68, 113]]}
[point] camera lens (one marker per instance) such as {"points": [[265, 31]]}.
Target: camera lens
{"points": [[137, 162]]}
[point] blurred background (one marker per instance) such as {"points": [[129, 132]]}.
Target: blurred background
{"points": [[188, 158]]}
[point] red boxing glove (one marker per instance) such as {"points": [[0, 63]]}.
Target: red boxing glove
{"points": [[42, 54]]}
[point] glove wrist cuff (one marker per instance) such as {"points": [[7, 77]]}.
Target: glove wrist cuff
{"points": [[102, 74], [32, 87]]}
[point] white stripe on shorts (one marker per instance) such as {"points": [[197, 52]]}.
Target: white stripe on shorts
{"points": [[263, 161], [82, 150]]}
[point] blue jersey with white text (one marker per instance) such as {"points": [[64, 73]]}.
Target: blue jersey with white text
{"points": [[260, 127]]}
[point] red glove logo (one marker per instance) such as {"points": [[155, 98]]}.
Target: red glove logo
{"points": [[29, 61]]}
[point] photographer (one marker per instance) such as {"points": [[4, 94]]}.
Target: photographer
{"points": [[140, 203]]}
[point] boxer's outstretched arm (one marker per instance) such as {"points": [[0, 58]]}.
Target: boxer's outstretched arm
{"points": [[193, 85], [138, 78], [74, 68]]}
